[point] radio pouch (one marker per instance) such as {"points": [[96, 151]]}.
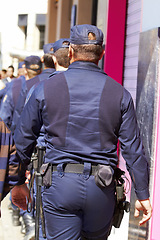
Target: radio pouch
{"points": [[103, 175]]}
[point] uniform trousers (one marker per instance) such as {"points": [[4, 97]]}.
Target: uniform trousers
{"points": [[76, 208]]}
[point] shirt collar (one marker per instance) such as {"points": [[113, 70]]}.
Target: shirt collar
{"points": [[85, 65]]}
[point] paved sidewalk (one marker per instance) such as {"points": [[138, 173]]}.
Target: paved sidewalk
{"points": [[7, 230]]}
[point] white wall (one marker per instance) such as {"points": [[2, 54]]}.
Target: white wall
{"points": [[102, 16], [150, 14], [12, 36]]}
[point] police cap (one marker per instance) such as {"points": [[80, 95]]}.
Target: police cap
{"points": [[80, 35], [61, 43], [20, 64], [47, 47], [33, 62]]}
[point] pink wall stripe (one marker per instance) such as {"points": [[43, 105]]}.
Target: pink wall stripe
{"points": [[115, 39]]}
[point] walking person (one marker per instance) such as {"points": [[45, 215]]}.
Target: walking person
{"points": [[84, 113]]}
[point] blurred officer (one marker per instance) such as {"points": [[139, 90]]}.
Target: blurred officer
{"points": [[11, 95], [8, 85], [84, 113], [21, 69], [6, 113], [47, 62], [49, 67], [9, 164], [59, 54], [33, 67], [34, 77], [41, 75]]}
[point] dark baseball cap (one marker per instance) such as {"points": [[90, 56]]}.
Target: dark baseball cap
{"points": [[20, 64], [79, 35], [47, 47], [61, 43], [33, 62]]}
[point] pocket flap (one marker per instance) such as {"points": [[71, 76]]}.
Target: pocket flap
{"points": [[44, 168]]}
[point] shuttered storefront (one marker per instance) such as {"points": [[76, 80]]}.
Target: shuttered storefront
{"points": [[133, 24]]}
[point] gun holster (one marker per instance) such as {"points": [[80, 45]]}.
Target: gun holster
{"points": [[121, 203], [46, 173]]}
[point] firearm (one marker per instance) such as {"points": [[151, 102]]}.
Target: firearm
{"points": [[39, 209]]}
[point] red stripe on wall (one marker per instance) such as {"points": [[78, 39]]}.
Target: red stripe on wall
{"points": [[115, 39]]}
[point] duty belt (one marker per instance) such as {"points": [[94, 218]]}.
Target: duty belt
{"points": [[75, 168]]}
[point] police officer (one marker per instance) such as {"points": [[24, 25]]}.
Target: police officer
{"points": [[60, 56], [33, 67], [9, 164], [84, 113], [47, 61], [10, 99], [58, 52], [56, 55]]}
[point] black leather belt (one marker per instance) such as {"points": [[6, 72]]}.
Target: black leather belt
{"points": [[75, 168]]}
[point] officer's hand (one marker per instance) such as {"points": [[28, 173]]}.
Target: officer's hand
{"points": [[20, 194], [145, 206]]}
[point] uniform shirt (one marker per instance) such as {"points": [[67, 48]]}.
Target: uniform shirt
{"points": [[43, 76], [45, 73], [9, 164], [84, 113], [10, 100], [27, 86]]}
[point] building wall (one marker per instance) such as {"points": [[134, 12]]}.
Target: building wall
{"points": [[150, 14], [59, 17], [12, 36], [102, 16]]}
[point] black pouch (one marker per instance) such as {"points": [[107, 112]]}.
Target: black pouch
{"points": [[103, 175], [46, 173], [121, 203]]}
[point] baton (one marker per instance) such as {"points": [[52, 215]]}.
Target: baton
{"points": [[39, 212]]}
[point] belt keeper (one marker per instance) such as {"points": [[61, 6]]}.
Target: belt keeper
{"points": [[60, 169]]}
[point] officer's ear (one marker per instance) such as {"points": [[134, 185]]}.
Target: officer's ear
{"points": [[54, 59], [70, 52], [42, 59], [102, 54]]}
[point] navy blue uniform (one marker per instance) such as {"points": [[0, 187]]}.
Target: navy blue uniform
{"points": [[24, 91], [10, 99], [45, 73], [84, 113]]}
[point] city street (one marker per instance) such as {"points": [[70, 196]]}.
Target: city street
{"points": [[7, 230]]}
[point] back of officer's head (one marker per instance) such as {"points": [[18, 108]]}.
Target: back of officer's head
{"points": [[21, 69], [33, 65], [47, 57], [60, 51], [86, 41]]}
